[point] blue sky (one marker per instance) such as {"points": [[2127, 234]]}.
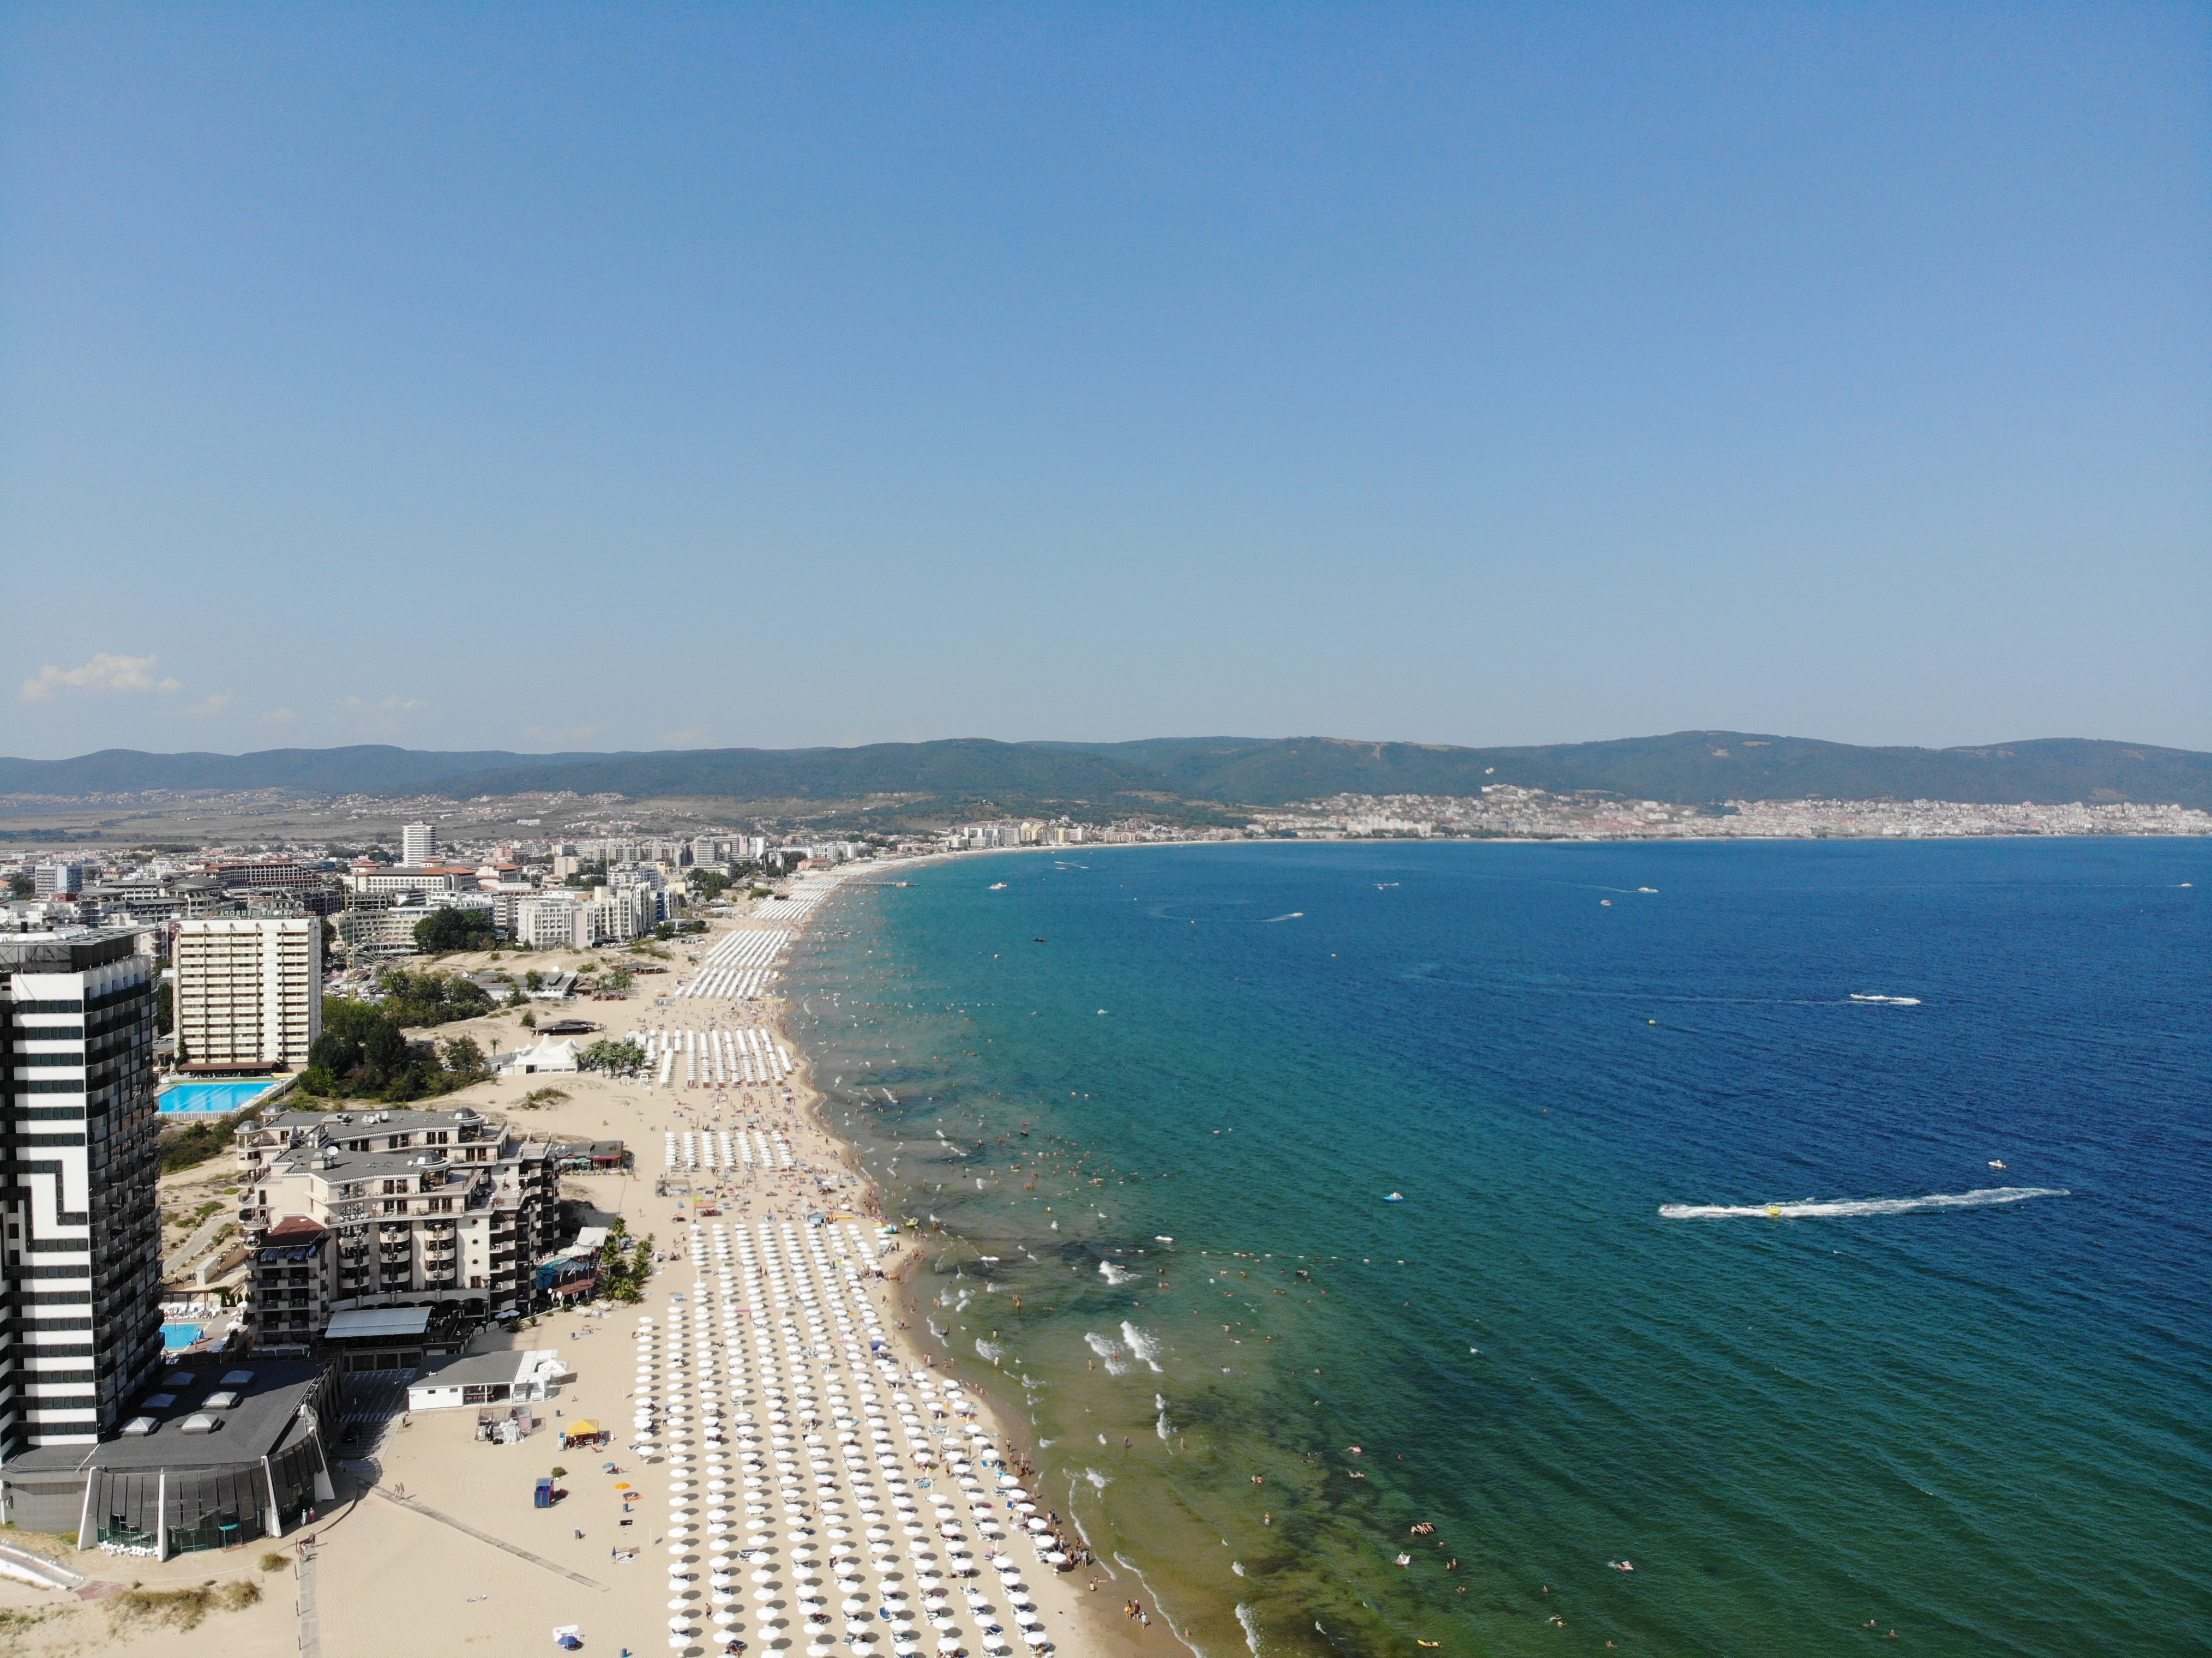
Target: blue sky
{"points": [[559, 376]]}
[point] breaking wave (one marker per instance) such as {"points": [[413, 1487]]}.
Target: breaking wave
{"points": [[1117, 1362], [1113, 1274], [1143, 1343], [1251, 1626], [1977, 1200]]}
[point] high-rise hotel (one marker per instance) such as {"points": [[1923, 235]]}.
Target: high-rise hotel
{"points": [[80, 1329], [249, 992]]}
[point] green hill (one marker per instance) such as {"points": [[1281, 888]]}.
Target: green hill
{"points": [[1686, 768]]}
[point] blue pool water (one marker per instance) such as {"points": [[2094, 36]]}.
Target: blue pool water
{"points": [[1162, 1097], [175, 1336], [216, 1097]]}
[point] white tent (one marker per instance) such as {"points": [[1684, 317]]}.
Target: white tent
{"points": [[551, 1054]]}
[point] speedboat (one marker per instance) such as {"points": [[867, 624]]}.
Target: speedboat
{"points": [[998, 886], [1395, 1196]]}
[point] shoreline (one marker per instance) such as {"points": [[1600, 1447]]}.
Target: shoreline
{"points": [[1091, 1632], [904, 1270]]}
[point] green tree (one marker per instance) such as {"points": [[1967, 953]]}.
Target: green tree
{"points": [[462, 1057], [448, 930], [432, 999], [621, 1059], [194, 1143], [360, 1046]]}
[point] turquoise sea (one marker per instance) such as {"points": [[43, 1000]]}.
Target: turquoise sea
{"points": [[1984, 1424]]}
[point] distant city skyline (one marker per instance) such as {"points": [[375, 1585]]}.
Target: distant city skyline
{"points": [[588, 380]]}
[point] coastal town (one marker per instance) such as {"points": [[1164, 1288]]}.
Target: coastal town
{"points": [[543, 1290]]}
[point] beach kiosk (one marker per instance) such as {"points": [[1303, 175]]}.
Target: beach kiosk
{"points": [[583, 1434]]}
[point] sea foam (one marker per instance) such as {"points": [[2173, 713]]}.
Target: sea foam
{"points": [[1976, 1199], [1143, 1343], [1251, 1626], [1108, 1349]]}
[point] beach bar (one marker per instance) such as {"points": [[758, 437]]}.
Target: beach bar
{"points": [[494, 1378], [212, 1459]]}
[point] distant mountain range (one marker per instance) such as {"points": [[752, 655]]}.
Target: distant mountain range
{"points": [[1686, 768]]}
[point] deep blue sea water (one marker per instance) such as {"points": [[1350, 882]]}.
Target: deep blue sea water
{"points": [[1988, 1427]]}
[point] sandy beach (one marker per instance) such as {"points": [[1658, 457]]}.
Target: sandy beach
{"points": [[436, 1546]]}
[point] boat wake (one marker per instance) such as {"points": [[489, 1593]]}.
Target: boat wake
{"points": [[1978, 1199]]}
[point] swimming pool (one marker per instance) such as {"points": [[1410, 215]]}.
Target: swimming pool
{"points": [[216, 1097], [175, 1336]]}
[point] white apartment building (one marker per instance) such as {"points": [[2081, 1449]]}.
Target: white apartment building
{"points": [[249, 992], [417, 841], [399, 877], [389, 930], [548, 920], [59, 879], [626, 912]]}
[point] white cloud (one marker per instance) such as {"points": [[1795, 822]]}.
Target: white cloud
{"points": [[697, 737], [280, 716], [213, 704], [390, 705], [105, 673]]}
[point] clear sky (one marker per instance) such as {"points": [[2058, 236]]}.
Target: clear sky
{"points": [[629, 376]]}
